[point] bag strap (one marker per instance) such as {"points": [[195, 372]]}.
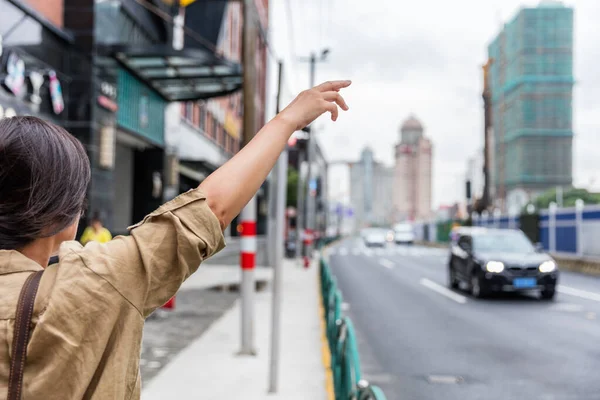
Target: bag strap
{"points": [[21, 334]]}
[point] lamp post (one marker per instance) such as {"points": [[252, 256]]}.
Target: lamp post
{"points": [[309, 214]]}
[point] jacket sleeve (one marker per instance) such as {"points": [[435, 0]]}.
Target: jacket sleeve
{"points": [[149, 266]]}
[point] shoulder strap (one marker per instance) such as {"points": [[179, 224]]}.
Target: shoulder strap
{"points": [[21, 334]]}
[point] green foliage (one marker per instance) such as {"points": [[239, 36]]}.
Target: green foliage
{"points": [[292, 187], [570, 196]]}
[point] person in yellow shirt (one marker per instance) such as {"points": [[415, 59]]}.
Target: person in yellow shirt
{"points": [[96, 232]]}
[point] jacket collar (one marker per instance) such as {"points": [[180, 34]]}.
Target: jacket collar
{"points": [[12, 261]]}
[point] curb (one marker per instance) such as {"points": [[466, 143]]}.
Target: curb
{"points": [[325, 351]]}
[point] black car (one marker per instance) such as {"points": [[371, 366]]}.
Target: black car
{"points": [[500, 260]]}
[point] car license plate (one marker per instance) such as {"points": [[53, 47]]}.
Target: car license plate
{"points": [[524, 283]]}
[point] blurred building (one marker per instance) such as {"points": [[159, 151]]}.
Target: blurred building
{"points": [[531, 82], [156, 111], [412, 174], [371, 186]]}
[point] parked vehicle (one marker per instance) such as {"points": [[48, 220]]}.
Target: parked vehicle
{"points": [[374, 237], [494, 260], [404, 234]]}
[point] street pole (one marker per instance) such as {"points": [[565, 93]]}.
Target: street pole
{"points": [[281, 178], [299, 204], [248, 215], [310, 203]]}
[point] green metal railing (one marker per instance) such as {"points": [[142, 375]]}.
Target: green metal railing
{"points": [[345, 361]]}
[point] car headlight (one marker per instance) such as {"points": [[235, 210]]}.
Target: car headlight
{"points": [[547, 266], [494, 266]]}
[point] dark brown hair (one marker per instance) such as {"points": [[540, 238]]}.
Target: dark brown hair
{"points": [[44, 175]]}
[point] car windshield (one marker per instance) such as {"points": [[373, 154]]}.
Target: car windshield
{"points": [[403, 228], [502, 242]]}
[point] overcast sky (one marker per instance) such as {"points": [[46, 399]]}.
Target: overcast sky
{"points": [[423, 57]]}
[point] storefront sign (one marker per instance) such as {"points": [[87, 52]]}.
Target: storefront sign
{"points": [[37, 80], [108, 96], [231, 126], [16, 83], [15, 80], [144, 111], [58, 103]]}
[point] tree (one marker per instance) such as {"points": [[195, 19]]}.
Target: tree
{"points": [[570, 196], [292, 187]]}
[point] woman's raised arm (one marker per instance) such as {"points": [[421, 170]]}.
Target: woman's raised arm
{"points": [[230, 187]]}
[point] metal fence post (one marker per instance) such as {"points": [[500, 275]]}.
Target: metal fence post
{"points": [[579, 205], [552, 227]]}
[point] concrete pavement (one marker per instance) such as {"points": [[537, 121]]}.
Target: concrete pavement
{"points": [[210, 368], [420, 340]]}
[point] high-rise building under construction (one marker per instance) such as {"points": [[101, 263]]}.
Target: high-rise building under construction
{"points": [[531, 82]]}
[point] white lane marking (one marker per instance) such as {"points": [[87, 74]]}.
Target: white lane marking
{"points": [[443, 291], [386, 263], [567, 307], [355, 251], [578, 293], [343, 251]]}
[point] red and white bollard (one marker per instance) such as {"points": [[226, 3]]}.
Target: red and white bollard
{"points": [[307, 242], [247, 264]]}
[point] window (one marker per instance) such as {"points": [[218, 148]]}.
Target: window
{"points": [[188, 111], [214, 128], [202, 122]]}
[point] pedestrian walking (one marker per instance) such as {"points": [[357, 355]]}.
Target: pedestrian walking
{"points": [[73, 329], [96, 232]]}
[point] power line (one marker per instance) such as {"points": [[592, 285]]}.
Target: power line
{"points": [[291, 29]]}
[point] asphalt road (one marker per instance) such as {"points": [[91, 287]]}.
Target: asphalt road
{"points": [[419, 340]]}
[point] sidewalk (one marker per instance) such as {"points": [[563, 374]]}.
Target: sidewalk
{"points": [[210, 368]]}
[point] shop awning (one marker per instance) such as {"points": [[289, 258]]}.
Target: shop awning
{"points": [[181, 75]]}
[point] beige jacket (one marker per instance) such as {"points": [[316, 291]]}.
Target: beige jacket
{"points": [[90, 308]]}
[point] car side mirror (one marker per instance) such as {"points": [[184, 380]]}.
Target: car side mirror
{"points": [[466, 248], [539, 247]]}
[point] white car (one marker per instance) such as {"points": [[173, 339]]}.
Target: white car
{"points": [[404, 234], [374, 237]]}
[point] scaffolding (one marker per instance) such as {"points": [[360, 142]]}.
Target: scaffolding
{"points": [[531, 83]]}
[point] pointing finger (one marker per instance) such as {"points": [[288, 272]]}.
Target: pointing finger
{"points": [[333, 86]]}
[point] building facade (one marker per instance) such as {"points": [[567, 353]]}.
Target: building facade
{"points": [[35, 55], [371, 191], [531, 83], [412, 173]]}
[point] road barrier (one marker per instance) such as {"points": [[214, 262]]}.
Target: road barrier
{"points": [[345, 361]]}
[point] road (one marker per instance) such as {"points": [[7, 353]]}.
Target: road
{"points": [[419, 340]]}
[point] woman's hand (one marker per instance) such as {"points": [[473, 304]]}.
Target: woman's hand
{"points": [[310, 104]]}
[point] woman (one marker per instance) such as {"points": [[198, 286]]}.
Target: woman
{"points": [[96, 232], [90, 308]]}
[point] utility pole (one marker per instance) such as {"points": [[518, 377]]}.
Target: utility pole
{"points": [[299, 203], [310, 145], [486, 199], [309, 215], [248, 215], [280, 199]]}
